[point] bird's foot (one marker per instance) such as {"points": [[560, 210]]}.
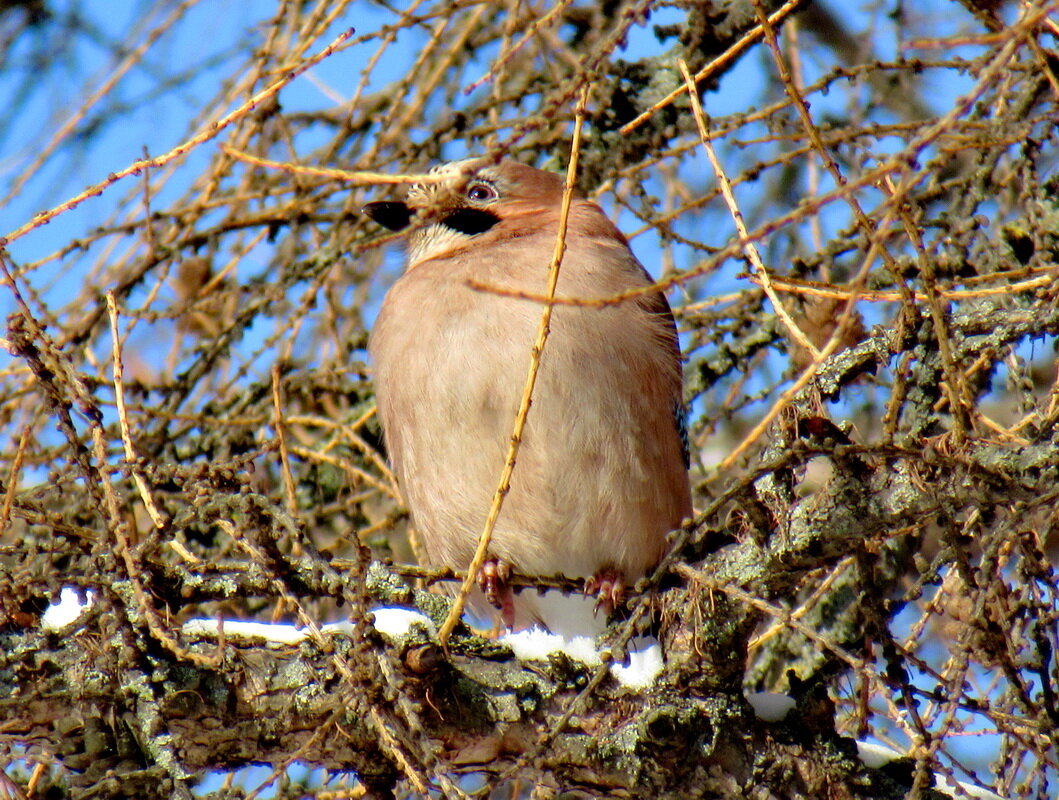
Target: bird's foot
{"points": [[492, 580], [608, 585]]}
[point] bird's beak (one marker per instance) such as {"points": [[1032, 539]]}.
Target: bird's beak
{"points": [[390, 214]]}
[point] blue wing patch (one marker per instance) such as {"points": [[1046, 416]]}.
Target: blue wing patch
{"points": [[680, 416]]}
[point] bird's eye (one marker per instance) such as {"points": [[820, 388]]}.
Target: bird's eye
{"points": [[480, 192]]}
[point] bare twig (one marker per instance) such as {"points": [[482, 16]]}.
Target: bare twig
{"points": [[531, 381]]}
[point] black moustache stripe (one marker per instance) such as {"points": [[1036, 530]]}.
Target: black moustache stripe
{"points": [[470, 221]]}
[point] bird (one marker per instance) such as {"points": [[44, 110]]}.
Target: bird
{"points": [[601, 475]]}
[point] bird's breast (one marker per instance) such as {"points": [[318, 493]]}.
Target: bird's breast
{"points": [[593, 482]]}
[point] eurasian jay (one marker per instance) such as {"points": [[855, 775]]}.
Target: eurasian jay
{"points": [[601, 476]]}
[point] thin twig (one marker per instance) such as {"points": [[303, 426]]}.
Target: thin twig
{"points": [[833, 343], [531, 30], [13, 478], [358, 177], [281, 437], [729, 55], [531, 380], [737, 216], [204, 135], [123, 418]]}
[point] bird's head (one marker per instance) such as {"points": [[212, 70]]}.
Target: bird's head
{"points": [[473, 201]]}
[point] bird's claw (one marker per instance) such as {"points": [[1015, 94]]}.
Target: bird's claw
{"points": [[608, 585], [492, 580]]}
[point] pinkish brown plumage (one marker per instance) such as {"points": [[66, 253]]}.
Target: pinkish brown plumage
{"points": [[601, 474]]}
